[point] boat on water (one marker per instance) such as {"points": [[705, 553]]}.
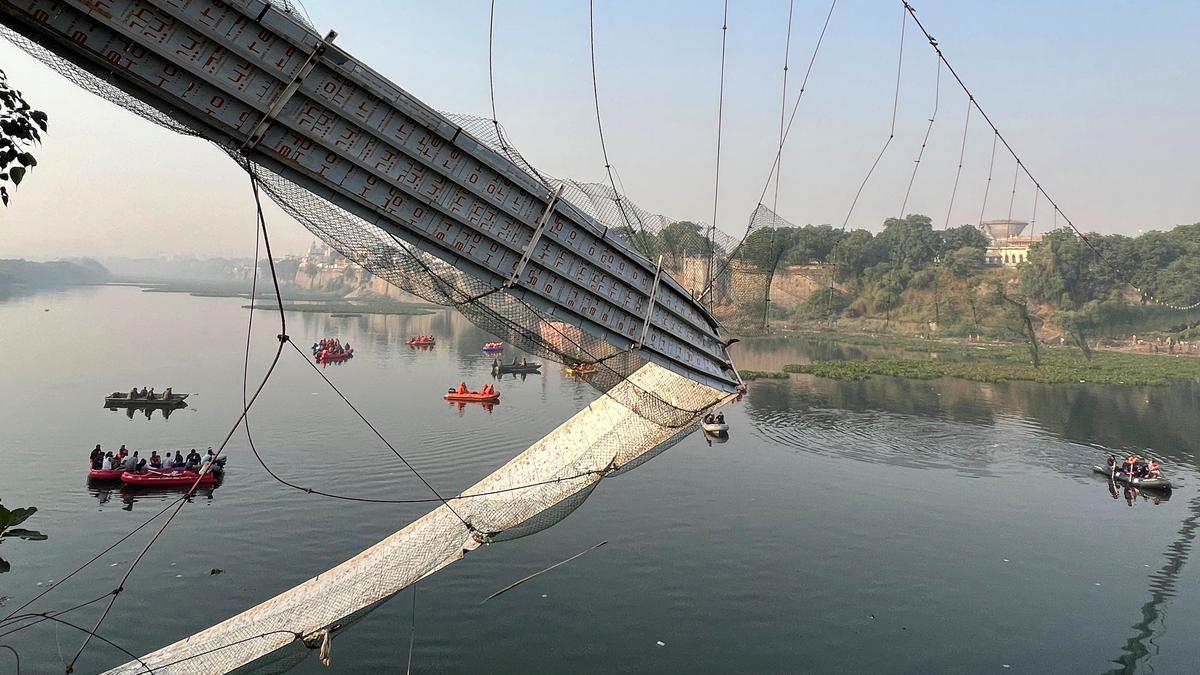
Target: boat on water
{"points": [[462, 394], [715, 428], [105, 474], [427, 341], [123, 400], [327, 356], [493, 346], [1124, 478], [174, 477], [579, 369], [501, 368]]}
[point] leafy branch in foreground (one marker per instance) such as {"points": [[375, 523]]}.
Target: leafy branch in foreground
{"points": [[21, 127]]}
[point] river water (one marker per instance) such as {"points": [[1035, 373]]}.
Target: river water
{"points": [[876, 526]]}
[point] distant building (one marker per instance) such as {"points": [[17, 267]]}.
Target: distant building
{"points": [[1006, 245]]}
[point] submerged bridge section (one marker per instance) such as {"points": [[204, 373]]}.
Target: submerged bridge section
{"points": [[246, 75]]}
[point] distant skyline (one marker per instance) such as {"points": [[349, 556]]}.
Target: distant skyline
{"points": [[1098, 98]]}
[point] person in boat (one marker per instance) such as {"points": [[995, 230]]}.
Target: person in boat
{"points": [[720, 418], [107, 462], [96, 453], [131, 463], [1153, 470], [1130, 464], [155, 460], [143, 393], [167, 394], [208, 457], [151, 394], [708, 419], [462, 388], [177, 463], [133, 393]]}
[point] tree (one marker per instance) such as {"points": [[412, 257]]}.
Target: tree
{"points": [[681, 240], [19, 130], [910, 241], [963, 236], [855, 253], [964, 262]]}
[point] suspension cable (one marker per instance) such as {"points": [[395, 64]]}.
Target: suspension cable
{"points": [[962, 149], [1021, 167], [712, 229], [937, 84]]}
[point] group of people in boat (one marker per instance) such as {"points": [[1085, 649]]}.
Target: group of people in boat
{"points": [[488, 390], [422, 338], [719, 418], [1136, 467], [126, 461], [149, 395], [330, 347]]}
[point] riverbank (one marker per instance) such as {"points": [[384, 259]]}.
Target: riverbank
{"points": [[992, 362], [295, 300]]}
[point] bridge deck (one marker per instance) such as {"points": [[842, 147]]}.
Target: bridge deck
{"points": [[247, 75]]}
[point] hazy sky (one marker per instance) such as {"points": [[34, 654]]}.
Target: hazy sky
{"points": [[1100, 98]]}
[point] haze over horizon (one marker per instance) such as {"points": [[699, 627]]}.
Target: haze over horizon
{"points": [[1097, 98]]}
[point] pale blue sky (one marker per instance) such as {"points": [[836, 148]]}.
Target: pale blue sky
{"points": [[1100, 98]]}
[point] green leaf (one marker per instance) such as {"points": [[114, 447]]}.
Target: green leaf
{"points": [[28, 535]]}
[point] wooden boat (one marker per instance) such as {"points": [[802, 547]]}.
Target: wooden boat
{"points": [[121, 400], [1141, 483], [501, 368]]}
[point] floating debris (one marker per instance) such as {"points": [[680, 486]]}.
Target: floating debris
{"points": [[216, 570], [660, 643]]}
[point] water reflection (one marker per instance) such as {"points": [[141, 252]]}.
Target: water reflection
{"points": [[893, 420], [1163, 582], [149, 412]]}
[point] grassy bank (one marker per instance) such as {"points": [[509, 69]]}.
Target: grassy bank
{"points": [[350, 308], [1003, 364]]}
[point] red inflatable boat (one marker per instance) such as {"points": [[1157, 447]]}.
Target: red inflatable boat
{"points": [[473, 396], [419, 342], [167, 477], [493, 346], [329, 357], [103, 474]]}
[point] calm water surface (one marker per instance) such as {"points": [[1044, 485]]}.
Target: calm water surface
{"points": [[876, 526]]}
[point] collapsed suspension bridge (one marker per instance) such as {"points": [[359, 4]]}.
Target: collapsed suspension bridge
{"points": [[433, 205]]}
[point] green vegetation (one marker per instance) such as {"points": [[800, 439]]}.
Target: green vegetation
{"points": [[913, 278], [1006, 363], [748, 375], [20, 128], [351, 307]]}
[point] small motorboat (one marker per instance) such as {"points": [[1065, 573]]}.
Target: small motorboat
{"points": [[105, 474], [472, 396], [715, 427], [1142, 483], [122, 400], [181, 477], [493, 346], [331, 357], [421, 342], [501, 368], [580, 369]]}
